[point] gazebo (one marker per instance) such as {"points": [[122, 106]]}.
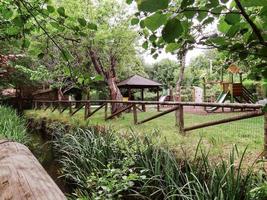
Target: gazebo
{"points": [[139, 82]]}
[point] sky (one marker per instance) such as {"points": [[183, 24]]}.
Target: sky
{"points": [[190, 55]]}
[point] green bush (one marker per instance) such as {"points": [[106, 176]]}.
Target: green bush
{"points": [[106, 166], [12, 127]]}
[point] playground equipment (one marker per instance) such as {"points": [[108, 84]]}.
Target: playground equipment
{"points": [[234, 92]]}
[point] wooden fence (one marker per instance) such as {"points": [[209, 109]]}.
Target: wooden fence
{"points": [[177, 107]]}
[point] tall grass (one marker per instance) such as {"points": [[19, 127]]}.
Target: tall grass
{"points": [[12, 127], [106, 166]]}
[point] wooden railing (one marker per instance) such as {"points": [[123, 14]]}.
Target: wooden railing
{"points": [[177, 107]]}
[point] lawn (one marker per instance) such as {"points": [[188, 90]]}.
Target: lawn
{"points": [[218, 139]]}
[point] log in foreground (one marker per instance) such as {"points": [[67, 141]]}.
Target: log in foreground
{"points": [[22, 176]]}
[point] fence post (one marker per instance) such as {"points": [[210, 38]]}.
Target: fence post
{"points": [[265, 133], [134, 113], [35, 105], [70, 107], [106, 111], [180, 118], [85, 110]]}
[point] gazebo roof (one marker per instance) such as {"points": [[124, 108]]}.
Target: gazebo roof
{"points": [[137, 81]]}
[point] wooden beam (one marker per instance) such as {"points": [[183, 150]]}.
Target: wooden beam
{"points": [[180, 116], [64, 108], [55, 107], [223, 121], [120, 111], [77, 110], [92, 113], [159, 115], [135, 113], [49, 104], [158, 106]]}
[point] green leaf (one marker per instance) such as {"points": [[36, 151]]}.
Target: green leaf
{"points": [[233, 30], [154, 21], [145, 45], [172, 30], [214, 3], [66, 55], [18, 21], [152, 38], [57, 26], [189, 13], [172, 47], [232, 18], [134, 21], [201, 15], [50, 9], [223, 26], [129, 1], [253, 3], [208, 20], [92, 26], [186, 3], [7, 13], [155, 56], [26, 43], [82, 22], [152, 5], [41, 55], [218, 40], [61, 11], [13, 30]]}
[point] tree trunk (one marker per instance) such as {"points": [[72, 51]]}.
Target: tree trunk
{"points": [[115, 93], [110, 78], [182, 56]]}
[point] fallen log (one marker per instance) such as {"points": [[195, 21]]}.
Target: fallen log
{"points": [[22, 176]]}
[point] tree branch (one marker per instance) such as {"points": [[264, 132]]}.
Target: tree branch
{"points": [[255, 29]]}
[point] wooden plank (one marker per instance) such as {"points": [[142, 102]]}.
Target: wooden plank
{"points": [[47, 106], [135, 113], [159, 115], [106, 111], [180, 118], [81, 106], [223, 121], [55, 107], [92, 113], [120, 111], [22, 176]]}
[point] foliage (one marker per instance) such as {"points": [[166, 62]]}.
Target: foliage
{"points": [[241, 27], [104, 166], [164, 72], [12, 126]]}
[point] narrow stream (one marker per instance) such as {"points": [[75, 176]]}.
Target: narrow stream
{"points": [[41, 147]]}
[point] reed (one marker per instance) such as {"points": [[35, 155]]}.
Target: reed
{"points": [[106, 166]]}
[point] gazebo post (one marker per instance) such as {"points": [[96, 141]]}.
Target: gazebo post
{"points": [[158, 107], [142, 98]]}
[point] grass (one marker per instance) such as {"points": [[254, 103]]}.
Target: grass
{"points": [[219, 139], [12, 127]]}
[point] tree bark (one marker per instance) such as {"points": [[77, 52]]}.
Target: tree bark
{"points": [[182, 56], [110, 78]]}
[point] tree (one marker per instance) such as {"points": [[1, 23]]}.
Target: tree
{"points": [[242, 25], [165, 72]]}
